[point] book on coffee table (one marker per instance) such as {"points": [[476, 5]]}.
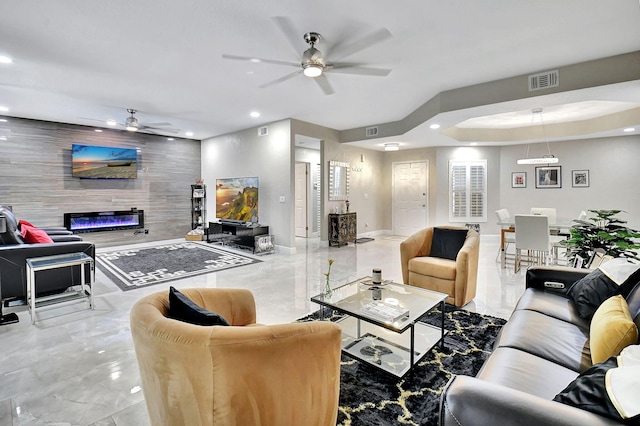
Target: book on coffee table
{"points": [[385, 312]]}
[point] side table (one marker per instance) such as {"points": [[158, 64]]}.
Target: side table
{"points": [[70, 260]]}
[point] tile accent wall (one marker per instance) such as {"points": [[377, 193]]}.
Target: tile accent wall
{"points": [[35, 178]]}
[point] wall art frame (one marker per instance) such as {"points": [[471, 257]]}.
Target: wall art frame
{"points": [[518, 179], [549, 177], [580, 178]]}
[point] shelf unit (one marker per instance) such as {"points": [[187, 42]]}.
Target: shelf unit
{"points": [[198, 205]]}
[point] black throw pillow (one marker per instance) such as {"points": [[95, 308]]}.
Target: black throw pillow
{"points": [[182, 308], [590, 291], [591, 392], [446, 243]]}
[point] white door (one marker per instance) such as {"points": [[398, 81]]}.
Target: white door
{"points": [[302, 183], [410, 198]]}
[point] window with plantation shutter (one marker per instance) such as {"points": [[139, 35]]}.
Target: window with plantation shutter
{"points": [[468, 190]]}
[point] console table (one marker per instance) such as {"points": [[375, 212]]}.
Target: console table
{"points": [[343, 228], [241, 235], [85, 292]]}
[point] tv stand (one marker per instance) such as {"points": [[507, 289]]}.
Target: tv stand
{"points": [[242, 234]]}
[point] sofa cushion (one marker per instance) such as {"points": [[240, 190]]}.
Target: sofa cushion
{"points": [[446, 243], [612, 329], [523, 371], [616, 276], [32, 235], [554, 340], [433, 267], [552, 305], [182, 308]]}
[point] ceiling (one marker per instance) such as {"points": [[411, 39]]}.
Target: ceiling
{"points": [[84, 62]]}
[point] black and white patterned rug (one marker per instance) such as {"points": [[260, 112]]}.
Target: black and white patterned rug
{"points": [[370, 397], [145, 266]]}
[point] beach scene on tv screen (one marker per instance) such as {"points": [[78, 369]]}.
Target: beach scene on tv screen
{"points": [[101, 162], [237, 198]]}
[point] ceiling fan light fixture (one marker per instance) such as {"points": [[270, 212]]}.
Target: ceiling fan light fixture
{"points": [[312, 70], [391, 146]]}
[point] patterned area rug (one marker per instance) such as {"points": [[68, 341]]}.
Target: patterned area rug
{"points": [[371, 397], [142, 267]]}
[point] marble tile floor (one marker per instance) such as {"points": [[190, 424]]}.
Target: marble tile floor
{"points": [[77, 366]]}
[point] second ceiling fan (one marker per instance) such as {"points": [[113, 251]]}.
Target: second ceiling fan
{"points": [[314, 64]]}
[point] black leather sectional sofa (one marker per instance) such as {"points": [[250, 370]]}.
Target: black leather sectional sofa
{"points": [[543, 347]]}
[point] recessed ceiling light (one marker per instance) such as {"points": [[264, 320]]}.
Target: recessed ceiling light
{"points": [[473, 143], [97, 130], [434, 126], [5, 60], [3, 138], [111, 122], [630, 129], [3, 120], [170, 139], [4, 109], [254, 114], [255, 60], [188, 133], [391, 146]]}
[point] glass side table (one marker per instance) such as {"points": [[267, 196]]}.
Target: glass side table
{"points": [[84, 293]]}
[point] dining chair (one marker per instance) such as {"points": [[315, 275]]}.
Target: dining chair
{"points": [[507, 235], [532, 235], [550, 212]]}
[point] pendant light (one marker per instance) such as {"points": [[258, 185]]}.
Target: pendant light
{"points": [[548, 158]]}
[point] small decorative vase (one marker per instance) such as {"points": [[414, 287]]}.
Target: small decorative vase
{"points": [[327, 289]]}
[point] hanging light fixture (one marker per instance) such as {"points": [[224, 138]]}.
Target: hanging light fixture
{"points": [[548, 158]]}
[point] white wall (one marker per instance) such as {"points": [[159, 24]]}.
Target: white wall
{"points": [[613, 170], [269, 157]]}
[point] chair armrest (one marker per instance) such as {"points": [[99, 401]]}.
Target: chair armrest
{"points": [[60, 238], [470, 401], [537, 276], [412, 247]]}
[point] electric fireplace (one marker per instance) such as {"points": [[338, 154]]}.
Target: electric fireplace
{"points": [[104, 221]]}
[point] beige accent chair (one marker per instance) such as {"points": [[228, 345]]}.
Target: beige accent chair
{"points": [[244, 374], [457, 278]]}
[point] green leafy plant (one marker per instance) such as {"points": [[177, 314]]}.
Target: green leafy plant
{"points": [[604, 231]]}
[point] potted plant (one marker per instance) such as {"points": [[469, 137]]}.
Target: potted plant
{"points": [[602, 231]]}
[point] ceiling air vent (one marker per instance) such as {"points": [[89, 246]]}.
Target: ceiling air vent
{"points": [[371, 131], [544, 80], [263, 131]]}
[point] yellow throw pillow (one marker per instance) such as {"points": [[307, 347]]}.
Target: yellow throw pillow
{"points": [[612, 329]]}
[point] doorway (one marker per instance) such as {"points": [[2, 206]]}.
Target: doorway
{"points": [[301, 203], [410, 197]]}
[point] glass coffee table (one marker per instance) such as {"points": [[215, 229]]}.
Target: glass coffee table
{"points": [[380, 324]]}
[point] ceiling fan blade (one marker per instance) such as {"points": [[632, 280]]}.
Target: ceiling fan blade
{"points": [[324, 84], [254, 59], [164, 123], [348, 68], [343, 50], [281, 79], [290, 32], [160, 129]]}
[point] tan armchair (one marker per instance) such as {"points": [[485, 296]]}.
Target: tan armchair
{"points": [[244, 374], [457, 278]]}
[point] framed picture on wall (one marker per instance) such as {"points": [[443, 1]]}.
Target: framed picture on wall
{"points": [[519, 179], [549, 177], [580, 178]]}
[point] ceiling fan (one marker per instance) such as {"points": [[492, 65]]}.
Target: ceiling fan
{"points": [[132, 124], [314, 64]]}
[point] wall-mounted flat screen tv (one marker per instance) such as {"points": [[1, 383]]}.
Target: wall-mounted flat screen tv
{"points": [[103, 162], [237, 199]]}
